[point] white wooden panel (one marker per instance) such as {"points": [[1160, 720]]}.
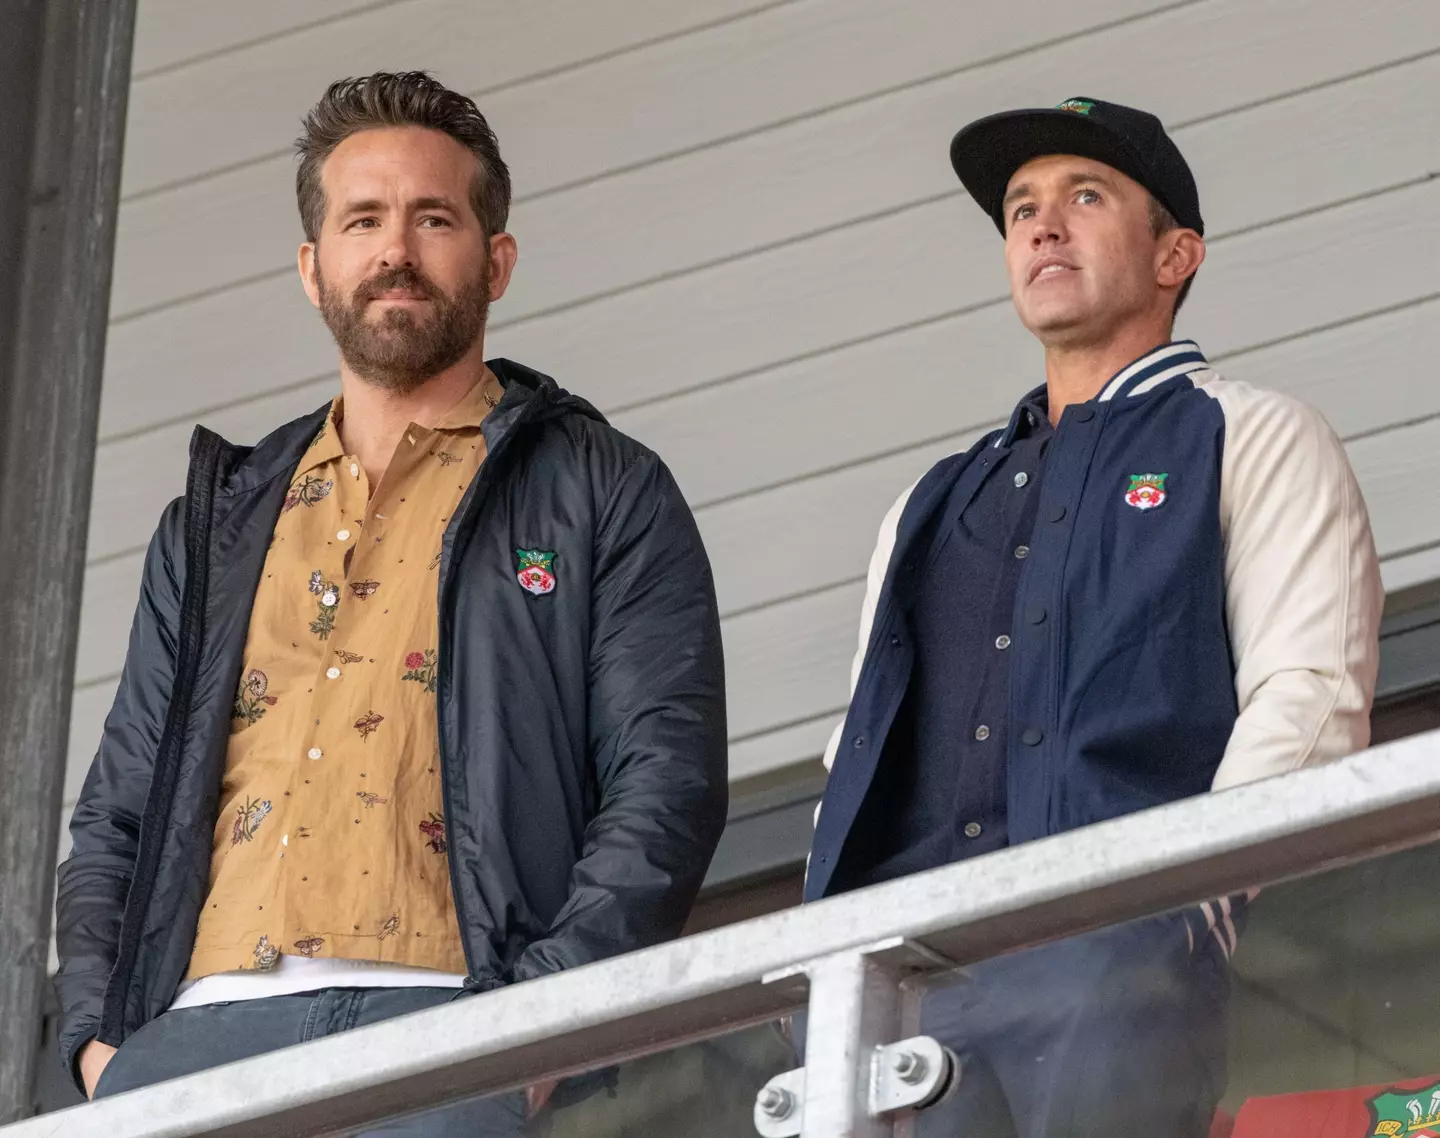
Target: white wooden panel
{"points": [[925, 262], [88, 709], [111, 591], [820, 171], [775, 749], [168, 33], [1399, 473], [245, 220], [1418, 568], [1258, 287], [788, 664], [189, 122]]}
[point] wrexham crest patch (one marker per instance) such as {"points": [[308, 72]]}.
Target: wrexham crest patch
{"points": [[1406, 1114], [1079, 106], [535, 570], [1146, 491]]}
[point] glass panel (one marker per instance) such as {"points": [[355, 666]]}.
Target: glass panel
{"points": [[704, 1090], [1320, 1024]]}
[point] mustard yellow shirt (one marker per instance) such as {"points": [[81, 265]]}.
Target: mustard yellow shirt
{"points": [[331, 838]]}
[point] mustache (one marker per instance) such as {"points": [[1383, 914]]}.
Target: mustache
{"points": [[401, 277]]}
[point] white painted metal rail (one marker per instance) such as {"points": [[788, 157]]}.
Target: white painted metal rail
{"points": [[1373, 803]]}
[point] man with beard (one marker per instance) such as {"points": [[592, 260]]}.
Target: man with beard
{"points": [[424, 694]]}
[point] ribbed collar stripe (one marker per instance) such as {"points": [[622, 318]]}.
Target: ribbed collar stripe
{"points": [[1151, 364]]}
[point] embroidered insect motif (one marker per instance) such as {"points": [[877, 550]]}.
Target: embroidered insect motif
{"points": [[371, 799], [535, 571], [421, 667], [309, 490], [248, 819], [265, 954], [251, 700], [309, 946], [364, 590], [1146, 491], [445, 457], [348, 657], [434, 831], [368, 723]]}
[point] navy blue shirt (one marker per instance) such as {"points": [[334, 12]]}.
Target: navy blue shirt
{"points": [[939, 791]]}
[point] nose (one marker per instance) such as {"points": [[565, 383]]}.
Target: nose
{"points": [[399, 251], [1047, 226]]}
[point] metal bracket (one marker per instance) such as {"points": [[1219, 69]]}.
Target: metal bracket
{"points": [[913, 1073], [854, 1082], [780, 1105]]}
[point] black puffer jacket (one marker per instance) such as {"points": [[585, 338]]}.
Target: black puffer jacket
{"points": [[582, 732]]}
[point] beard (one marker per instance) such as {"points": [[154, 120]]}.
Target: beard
{"points": [[398, 352]]}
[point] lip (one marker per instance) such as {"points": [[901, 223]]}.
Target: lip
{"points": [[397, 294], [1044, 263]]}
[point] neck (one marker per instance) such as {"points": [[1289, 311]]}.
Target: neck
{"points": [[1077, 372], [376, 417]]}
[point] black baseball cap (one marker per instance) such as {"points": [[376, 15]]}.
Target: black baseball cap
{"points": [[987, 153]]}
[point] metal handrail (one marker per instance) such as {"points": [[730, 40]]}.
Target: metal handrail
{"points": [[1373, 803]]}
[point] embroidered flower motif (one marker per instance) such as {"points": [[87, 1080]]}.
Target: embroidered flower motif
{"points": [[251, 700], [348, 657], [364, 590], [309, 490], [434, 831], [371, 799], [368, 723], [445, 457], [420, 667], [389, 928], [309, 946], [329, 594], [248, 819], [265, 954]]}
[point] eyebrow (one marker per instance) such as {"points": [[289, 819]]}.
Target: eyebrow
{"points": [[1024, 189], [375, 205]]}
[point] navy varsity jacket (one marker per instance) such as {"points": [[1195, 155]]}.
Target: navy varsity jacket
{"points": [[1200, 606]]}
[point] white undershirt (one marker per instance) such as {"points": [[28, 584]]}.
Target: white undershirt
{"points": [[293, 974]]}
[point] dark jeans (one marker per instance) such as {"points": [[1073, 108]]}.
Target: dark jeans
{"points": [[1121, 1031], [194, 1039], [1116, 1032]]}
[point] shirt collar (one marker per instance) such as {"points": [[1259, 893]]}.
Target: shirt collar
{"points": [[469, 411], [1158, 366]]}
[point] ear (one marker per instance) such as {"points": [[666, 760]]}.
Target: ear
{"points": [[1181, 253], [308, 264], [503, 254]]}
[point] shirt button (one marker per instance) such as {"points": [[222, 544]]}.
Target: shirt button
{"points": [[284, 839], [1022, 551], [1057, 513], [982, 732], [1021, 479], [1035, 614], [355, 470], [858, 741], [333, 673], [343, 535], [1032, 737], [1002, 642], [972, 829], [314, 752]]}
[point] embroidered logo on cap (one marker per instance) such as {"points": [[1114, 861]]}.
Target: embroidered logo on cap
{"points": [[1079, 106], [1146, 491], [535, 574]]}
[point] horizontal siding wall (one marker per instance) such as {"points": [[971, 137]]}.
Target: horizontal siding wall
{"points": [[740, 237]]}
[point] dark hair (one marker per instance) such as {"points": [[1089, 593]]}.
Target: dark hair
{"points": [[405, 98], [1162, 221]]}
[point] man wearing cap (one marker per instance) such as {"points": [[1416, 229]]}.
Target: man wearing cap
{"points": [[1152, 582]]}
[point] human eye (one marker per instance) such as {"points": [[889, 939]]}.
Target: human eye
{"points": [[1088, 196], [363, 223], [432, 221], [1022, 212]]}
